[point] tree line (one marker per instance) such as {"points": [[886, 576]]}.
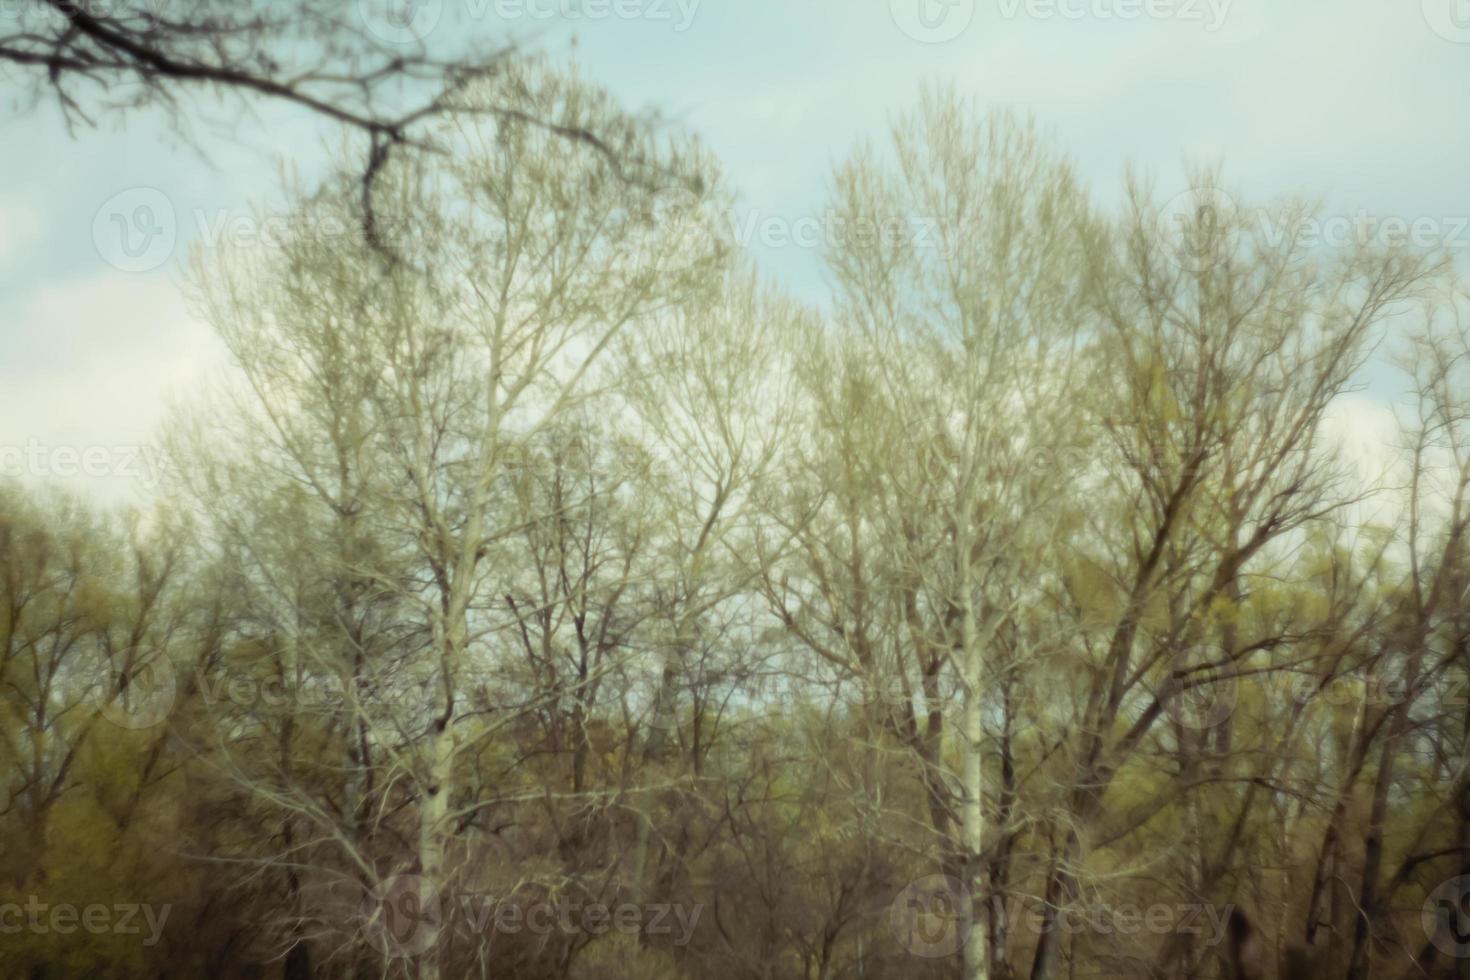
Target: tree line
{"points": [[546, 593]]}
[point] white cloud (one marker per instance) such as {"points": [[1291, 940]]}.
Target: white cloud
{"points": [[103, 357], [1342, 97], [20, 227], [1367, 436]]}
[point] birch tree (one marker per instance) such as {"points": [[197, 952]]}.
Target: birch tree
{"points": [[956, 281], [524, 258]]}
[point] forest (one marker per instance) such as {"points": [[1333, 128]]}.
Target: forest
{"points": [[548, 593]]}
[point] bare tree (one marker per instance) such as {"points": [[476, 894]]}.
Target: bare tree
{"points": [[956, 277], [368, 66], [526, 258]]}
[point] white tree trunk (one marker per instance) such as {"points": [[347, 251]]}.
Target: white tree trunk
{"points": [[432, 813], [972, 813]]}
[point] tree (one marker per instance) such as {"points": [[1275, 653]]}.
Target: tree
{"points": [[544, 595], [367, 66], [400, 398], [957, 285]]}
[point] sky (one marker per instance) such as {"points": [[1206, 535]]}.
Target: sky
{"points": [[1361, 104]]}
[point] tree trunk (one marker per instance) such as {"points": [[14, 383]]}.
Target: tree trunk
{"points": [[432, 822]]}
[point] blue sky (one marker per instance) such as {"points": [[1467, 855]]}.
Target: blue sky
{"points": [[1363, 103]]}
